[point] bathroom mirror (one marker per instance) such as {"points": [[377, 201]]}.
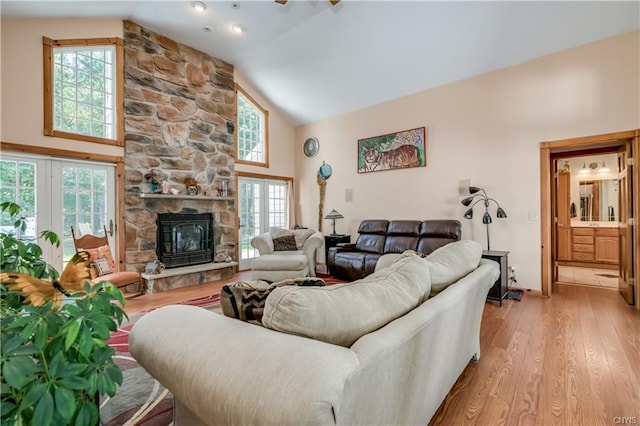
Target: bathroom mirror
{"points": [[598, 200]]}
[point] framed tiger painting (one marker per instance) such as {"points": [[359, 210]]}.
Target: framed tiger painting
{"points": [[399, 150]]}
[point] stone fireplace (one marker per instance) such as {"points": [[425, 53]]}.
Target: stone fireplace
{"points": [[179, 124]]}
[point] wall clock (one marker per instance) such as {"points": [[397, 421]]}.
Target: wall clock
{"points": [[310, 147]]}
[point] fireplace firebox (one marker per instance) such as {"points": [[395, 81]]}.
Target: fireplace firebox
{"points": [[184, 239]]}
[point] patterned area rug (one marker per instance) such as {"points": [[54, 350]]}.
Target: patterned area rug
{"points": [[141, 400]]}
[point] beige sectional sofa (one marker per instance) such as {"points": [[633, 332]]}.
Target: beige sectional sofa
{"points": [[382, 350]]}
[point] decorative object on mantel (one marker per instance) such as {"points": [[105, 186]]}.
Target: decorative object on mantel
{"points": [[224, 192], [152, 178], [192, 186], [399, 150], [486, 218], [154, 267], [333, 215], [222, 256], [324, 173]]}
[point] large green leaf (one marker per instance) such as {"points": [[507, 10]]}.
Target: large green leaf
{"points": [[65, 402], [17, 370], [44, 410], [72, 334]]}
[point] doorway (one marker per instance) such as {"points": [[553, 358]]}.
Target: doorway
{"points": [[569, 241], [587, 210], [57, 194], [263, 202]]}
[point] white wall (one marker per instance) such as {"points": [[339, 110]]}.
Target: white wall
{"points": [[485, 129]]}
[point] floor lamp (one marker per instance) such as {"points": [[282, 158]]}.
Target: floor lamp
{"points": [[479, 195]]}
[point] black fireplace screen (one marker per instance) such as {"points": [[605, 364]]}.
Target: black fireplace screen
{"points": [[184, 239]]}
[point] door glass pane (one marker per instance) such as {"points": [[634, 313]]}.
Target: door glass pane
{"points": [[84, 203], [17, 184], [250, 211]]}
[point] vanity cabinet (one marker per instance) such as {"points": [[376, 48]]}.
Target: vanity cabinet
{"points": [[594, 245], [606, 245]]}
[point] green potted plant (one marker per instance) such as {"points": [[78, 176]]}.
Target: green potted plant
{"points": [[54, 358]]}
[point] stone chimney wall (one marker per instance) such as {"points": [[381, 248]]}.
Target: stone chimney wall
{"points": [[179, 121]]}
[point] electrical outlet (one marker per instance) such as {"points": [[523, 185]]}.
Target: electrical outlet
{"points": [[513, 270]]}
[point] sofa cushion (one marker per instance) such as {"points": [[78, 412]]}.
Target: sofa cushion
{"points": [[340, 314], [451, 262], [245, 300], [282, 261]]}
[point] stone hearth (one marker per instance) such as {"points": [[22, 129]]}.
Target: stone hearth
{"points": [[187, 275]]}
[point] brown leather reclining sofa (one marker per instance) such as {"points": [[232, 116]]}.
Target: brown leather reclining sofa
{"points": [[377, 237]]}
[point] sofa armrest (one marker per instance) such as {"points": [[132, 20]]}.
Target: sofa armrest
{"points": [[227, 371], [345, 247], [311, 245], [263, 243]]}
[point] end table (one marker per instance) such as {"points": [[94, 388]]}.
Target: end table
{"points": [[500, 288], [332, 241]]}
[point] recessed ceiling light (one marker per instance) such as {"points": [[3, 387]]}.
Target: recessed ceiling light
{"points": [[237, 28], [199, 6], [235, 5], [206, 29]]}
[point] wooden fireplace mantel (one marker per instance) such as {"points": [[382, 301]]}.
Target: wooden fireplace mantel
{"points": [[184, 197]]}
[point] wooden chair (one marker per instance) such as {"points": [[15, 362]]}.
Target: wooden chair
{"points": [[98, 246]]}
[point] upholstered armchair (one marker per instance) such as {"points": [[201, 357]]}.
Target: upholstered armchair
{"points": [[285, 253]]}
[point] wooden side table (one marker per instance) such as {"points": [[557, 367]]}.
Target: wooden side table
{"points": [[500, 288], [332, 241]]}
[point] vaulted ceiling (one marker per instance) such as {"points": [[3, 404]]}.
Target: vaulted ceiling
{"points": [[313, 60]]}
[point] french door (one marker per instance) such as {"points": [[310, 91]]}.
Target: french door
{"points": [[56, 194], [262, 203]]}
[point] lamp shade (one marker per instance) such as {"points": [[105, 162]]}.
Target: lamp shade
{"points": [[501, 213], [334, 214], [474, 189], [486, 218], [467, 201], [468, 214]]}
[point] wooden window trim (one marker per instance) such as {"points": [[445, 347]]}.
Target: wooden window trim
{"points": [[237, 89], [47, 49]]}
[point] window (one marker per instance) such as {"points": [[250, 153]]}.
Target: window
{"points": [[262, 203], [83, 89], [251, 131]]}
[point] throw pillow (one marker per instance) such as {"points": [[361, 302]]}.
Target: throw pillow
{"points": [[451, 262], [340, 314], [245, 300], [96, 253], [286, 243], [102, 266]]}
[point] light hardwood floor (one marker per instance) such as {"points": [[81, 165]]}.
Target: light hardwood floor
{"points": [[572, 359]]}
